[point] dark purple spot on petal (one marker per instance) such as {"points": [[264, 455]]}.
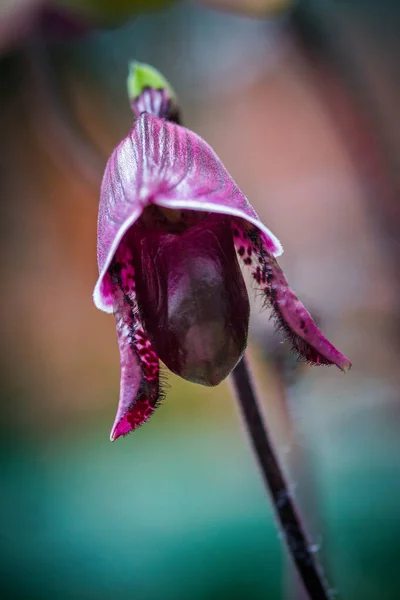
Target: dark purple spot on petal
{"points": [[140, 386], [291, 316]]}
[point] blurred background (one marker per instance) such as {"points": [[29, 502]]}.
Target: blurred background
{"points": [[300, 100]]}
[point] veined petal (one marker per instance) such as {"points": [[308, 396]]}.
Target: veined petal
{"points": [[139, 385], [157, 103], [290, 313], [162, 163]]}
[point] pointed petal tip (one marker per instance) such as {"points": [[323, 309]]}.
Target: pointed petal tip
{"points": [[120, 428], [132, 419], [346, 365], [333, 356], [114, 435]]}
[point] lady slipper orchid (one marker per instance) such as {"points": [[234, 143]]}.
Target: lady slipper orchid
{"points": [[172, 228]]}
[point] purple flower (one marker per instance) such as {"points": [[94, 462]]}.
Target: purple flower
{"points": [[172, 228]]}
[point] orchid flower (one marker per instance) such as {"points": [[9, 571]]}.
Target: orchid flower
{"points": [[173, 227]]}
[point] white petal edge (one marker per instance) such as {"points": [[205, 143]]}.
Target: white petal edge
{"points": [[198, 205], [97, 297]]}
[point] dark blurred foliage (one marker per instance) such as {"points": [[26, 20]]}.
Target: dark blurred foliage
{"points": [[302, 110]]}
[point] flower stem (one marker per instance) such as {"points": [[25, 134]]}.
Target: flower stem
{"points": [[299, 547]]}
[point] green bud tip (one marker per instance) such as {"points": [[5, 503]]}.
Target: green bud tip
{"points": [[141, 76]]}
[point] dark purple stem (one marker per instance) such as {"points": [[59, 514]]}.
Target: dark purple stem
{"points": [[299, 547]]}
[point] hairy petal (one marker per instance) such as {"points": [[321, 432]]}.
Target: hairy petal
{"points": [[162, 163], [139, 385], [292, 317]]}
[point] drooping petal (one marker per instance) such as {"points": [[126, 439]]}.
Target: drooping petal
{"points": [[162, 163], [139, 384], [193, 298], [290, 313]]}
